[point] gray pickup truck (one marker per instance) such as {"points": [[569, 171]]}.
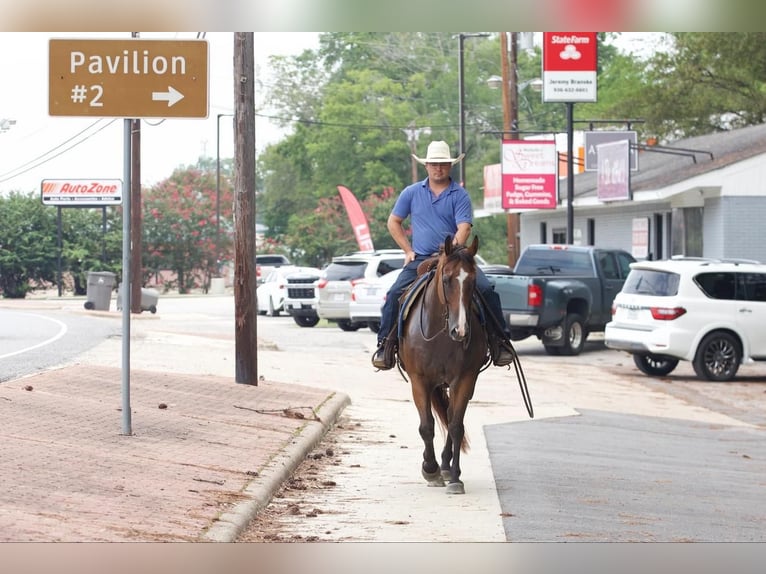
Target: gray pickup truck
{"points": [[561, 293]]}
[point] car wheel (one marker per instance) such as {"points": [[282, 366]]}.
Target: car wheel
{"points": [[347, 325], [655, 365], [718, 357], [574, 335], [553, 351], [304, 321], [374, 326]]}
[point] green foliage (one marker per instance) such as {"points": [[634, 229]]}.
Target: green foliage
{"points": [[28, 252], [180, 227], [87, 247]]}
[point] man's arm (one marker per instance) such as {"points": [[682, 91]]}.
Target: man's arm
{"points": [[463, 231], [396, 230]]}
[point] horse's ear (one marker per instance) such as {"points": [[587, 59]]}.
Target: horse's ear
{"points": [[448, 245], [474, 245]]}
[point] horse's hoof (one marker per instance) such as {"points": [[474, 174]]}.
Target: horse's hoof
{"points": [[433, 478], [455, 488]]}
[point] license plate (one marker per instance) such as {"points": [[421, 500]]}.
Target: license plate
{"points": [[632, 314], [338, 297], [372, 292]]}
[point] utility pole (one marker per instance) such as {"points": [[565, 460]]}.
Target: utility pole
{"points": [[245, 309], [511, 127]]}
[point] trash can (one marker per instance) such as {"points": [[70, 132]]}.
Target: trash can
{"points": [[99, 292], [149, 298]]}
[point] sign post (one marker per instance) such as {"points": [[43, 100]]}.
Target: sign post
{"points": [[569, 75], [131, 78]]}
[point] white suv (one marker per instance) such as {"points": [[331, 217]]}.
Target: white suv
{"points": [[709, 312], [338, 278]]}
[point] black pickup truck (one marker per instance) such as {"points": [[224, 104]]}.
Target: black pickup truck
{"points": [[561, 293]]}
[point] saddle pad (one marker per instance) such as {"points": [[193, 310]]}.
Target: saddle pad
{"points": [[410, 296]]}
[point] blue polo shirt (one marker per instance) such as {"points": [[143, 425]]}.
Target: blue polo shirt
{"points": [[433, 218]]}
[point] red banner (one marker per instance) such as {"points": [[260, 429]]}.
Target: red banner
{"points": [[357, 218]]}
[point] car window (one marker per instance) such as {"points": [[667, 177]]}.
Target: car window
{"points": [[752, 287], [550, 262], [345, 270], [387, 265], [651, 282], [623, 262], [719, 285], [270, 259], [608, 266]]}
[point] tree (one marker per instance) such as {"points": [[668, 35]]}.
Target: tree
{"points": [[87, 247], [27, 244], [706, 82], [179, 223]]}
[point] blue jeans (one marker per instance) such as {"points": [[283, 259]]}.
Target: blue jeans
{"points": [[389, 313]]}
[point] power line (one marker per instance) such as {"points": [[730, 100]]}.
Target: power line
{"points": [[20, 169]]}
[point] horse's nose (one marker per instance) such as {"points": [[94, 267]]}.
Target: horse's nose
{"points": [[458, 333]]}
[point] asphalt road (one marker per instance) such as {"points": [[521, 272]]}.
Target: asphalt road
{"points": [[38, 338]]}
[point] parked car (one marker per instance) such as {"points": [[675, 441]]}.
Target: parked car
{"points": [[301, 299], [368, 296], [561, 293], [266, 263], [338, 278], [270, 294], [709, 312]]}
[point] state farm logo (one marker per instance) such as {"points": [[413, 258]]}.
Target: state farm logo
{"points": [[570, 52]]}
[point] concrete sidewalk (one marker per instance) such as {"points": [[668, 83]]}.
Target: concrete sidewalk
{"points": [[204, 455]]}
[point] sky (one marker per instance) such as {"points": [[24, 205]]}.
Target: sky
{"points": [[39, 146]]}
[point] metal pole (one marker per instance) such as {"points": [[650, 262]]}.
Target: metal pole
{"points": [[60, 246], [218, 194], [126, 282], [461, 106], [570, 172]]}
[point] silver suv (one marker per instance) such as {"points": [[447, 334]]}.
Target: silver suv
{"points": [[334, 286]]}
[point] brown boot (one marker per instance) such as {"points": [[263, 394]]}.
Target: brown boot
{"points": [[382, 359], [503, 353]]}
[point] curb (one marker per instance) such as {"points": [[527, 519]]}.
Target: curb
{"points": [[232, 523]]}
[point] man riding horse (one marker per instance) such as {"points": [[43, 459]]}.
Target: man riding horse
{"points": [[437, 207]]}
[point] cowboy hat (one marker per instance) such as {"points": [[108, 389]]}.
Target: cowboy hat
{"points": [[438, 152]]}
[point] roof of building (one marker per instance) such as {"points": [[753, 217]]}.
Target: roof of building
{"points": [[662, 166]]}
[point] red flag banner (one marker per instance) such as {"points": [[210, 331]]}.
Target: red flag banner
{"points": [[357, 218]]}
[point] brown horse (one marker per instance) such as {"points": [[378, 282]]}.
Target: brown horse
{"points": [[443, 348]]}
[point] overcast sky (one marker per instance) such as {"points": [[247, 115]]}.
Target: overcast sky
{"points": [[39, 146]]}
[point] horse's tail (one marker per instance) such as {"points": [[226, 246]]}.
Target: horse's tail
{"points": [[440, 404]]}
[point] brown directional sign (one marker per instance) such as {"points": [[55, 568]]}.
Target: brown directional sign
{"points": [[130, 78]]}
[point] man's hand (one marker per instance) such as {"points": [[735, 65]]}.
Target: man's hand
{"points": [[409, 257]]}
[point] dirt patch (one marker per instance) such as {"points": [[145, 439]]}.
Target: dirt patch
{"points": [[300, 497]]}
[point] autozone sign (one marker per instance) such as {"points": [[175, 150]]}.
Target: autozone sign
{"points": [[81, 192], [570, 66]]}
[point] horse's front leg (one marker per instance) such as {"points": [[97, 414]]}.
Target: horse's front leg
{"points": [[456, 432], [430, 469]]}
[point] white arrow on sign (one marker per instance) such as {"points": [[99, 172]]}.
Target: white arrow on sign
{"points": [[172, 96]]}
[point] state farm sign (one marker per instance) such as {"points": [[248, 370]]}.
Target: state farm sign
{"points": [[569, 66], [81, 192]]}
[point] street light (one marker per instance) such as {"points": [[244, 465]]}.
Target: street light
{"points": [[218, 192], [461, 98], [413, 134]]}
